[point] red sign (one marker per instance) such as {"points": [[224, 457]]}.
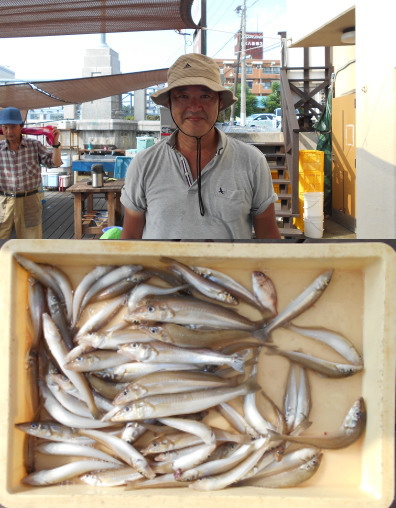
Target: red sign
{"points": [[254, 44]]}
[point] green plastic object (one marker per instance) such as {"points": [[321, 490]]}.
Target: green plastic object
{"points": [[113, 233]]}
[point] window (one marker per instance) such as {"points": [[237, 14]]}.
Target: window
{"points": [[249, 69]]}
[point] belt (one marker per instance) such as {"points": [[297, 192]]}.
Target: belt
{"points": [[21, 194]]}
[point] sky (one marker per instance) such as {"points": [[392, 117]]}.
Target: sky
{"points": [[62, 57]]}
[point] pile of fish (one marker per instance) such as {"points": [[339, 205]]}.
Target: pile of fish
{"points": [[133, 370]]}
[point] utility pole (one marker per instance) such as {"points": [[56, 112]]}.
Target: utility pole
{"points": [[238, 63], [243, 65]]}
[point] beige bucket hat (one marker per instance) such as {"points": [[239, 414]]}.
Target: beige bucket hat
{"points": [[194, 69]]}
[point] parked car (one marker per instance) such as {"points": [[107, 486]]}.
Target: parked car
{"points": [[259, 118]]}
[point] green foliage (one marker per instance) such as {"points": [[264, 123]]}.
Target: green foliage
{"points": [[273, 100], [251, 105]]}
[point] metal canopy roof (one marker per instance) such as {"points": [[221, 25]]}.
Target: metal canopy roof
{"points": [[45, 94], [33, 18]]}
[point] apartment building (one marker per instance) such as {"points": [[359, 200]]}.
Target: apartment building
{"points": [[260, 74]]}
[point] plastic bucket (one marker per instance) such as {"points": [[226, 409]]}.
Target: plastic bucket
{"points": [[313, 227], [313, 204]]}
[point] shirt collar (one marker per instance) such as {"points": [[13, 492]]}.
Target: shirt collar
{"points": [[220, 145]]}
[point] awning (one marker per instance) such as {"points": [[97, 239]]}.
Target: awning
{"points": [[33, 18], [43, 94]]}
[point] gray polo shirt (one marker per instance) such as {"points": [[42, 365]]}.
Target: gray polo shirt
{"points": [[235, 185]]}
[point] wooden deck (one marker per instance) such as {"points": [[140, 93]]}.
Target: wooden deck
{"points": [[58, 213]]}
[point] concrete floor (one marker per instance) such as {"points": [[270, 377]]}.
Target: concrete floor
{"points": [[335, 231]]}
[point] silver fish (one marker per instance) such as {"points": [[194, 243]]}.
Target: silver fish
{"points": [[53, 431], [96, 360], [65, 285], [59, 351], [265, 292], [157, 406], [336, 341], [201, 284], [76, 450], [289, 478], [102, 316], [66, 472], [351, 429], [113, 276], [36, 299], [112, 477], [159, 352], [83, 286], [229, 283], [167, 382], [122, 286], [324, 367], [143, 290], [191, 311], [122, 449], [301, 303], [38, 272]]}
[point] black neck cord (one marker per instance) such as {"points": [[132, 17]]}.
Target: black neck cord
{"points": [[198, 160]]}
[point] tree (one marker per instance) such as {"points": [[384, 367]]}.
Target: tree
{"points": [[273, 100], [251, 104]]}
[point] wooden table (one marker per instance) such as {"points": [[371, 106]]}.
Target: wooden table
{"points": [[83, 199]]}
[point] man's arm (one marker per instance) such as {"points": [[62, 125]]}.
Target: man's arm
{"points": [[265, 224], [133, 226]]}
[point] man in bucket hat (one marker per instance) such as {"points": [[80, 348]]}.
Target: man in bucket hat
{"points": [[20, 176], [198, 184]]}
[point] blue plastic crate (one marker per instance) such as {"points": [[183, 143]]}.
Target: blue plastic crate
{"points": [[121, 165]]}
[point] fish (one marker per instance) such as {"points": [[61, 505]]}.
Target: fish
{"points": [[350, 430], [111, 477], [216, 467], [158, 406], [130, 371], [233, 475], [289, 478], [37, 271], [143, 290], [167, 382], [299, 304], [62, 415], [96, 360], [65, 286], [76, 450], [53, 431], [121, 287], [199, 429], [336, 341], [128, 453], [320, 365], [203, 285], [229, 283], [265, 292], [102, 316], [159, 352], [83, 286], [59, 351], [36, 298], [66, 472], [184, 336], [191, 311], [115, 275]]}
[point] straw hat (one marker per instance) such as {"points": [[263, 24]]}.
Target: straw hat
{"points": [[194, 69]]}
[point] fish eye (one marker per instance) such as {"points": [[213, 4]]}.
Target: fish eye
{"points": [[34, 426], [150, 308], [153, 329]]}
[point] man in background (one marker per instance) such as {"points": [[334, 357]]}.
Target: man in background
{"points": [[21, 159]]}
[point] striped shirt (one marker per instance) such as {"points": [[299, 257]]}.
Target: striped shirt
{"points": [[21, 170]]}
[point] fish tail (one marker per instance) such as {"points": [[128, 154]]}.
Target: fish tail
{"points": [[238, 363]]}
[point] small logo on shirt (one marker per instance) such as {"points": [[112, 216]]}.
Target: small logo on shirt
{"points": [[187, 66], [221, 190]]}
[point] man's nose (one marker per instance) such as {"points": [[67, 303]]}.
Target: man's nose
{"points": [[195, 103]]}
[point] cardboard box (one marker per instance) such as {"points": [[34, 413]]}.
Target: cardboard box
{"points": [[359, 302]]}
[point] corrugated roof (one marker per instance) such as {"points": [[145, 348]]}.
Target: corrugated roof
{"points": [[32, 18]]}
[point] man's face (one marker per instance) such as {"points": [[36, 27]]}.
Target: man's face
{"points": [[12, 132], [194, 108]]}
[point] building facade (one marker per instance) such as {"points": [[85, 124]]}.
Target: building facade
{"points": [[260, 74]]}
